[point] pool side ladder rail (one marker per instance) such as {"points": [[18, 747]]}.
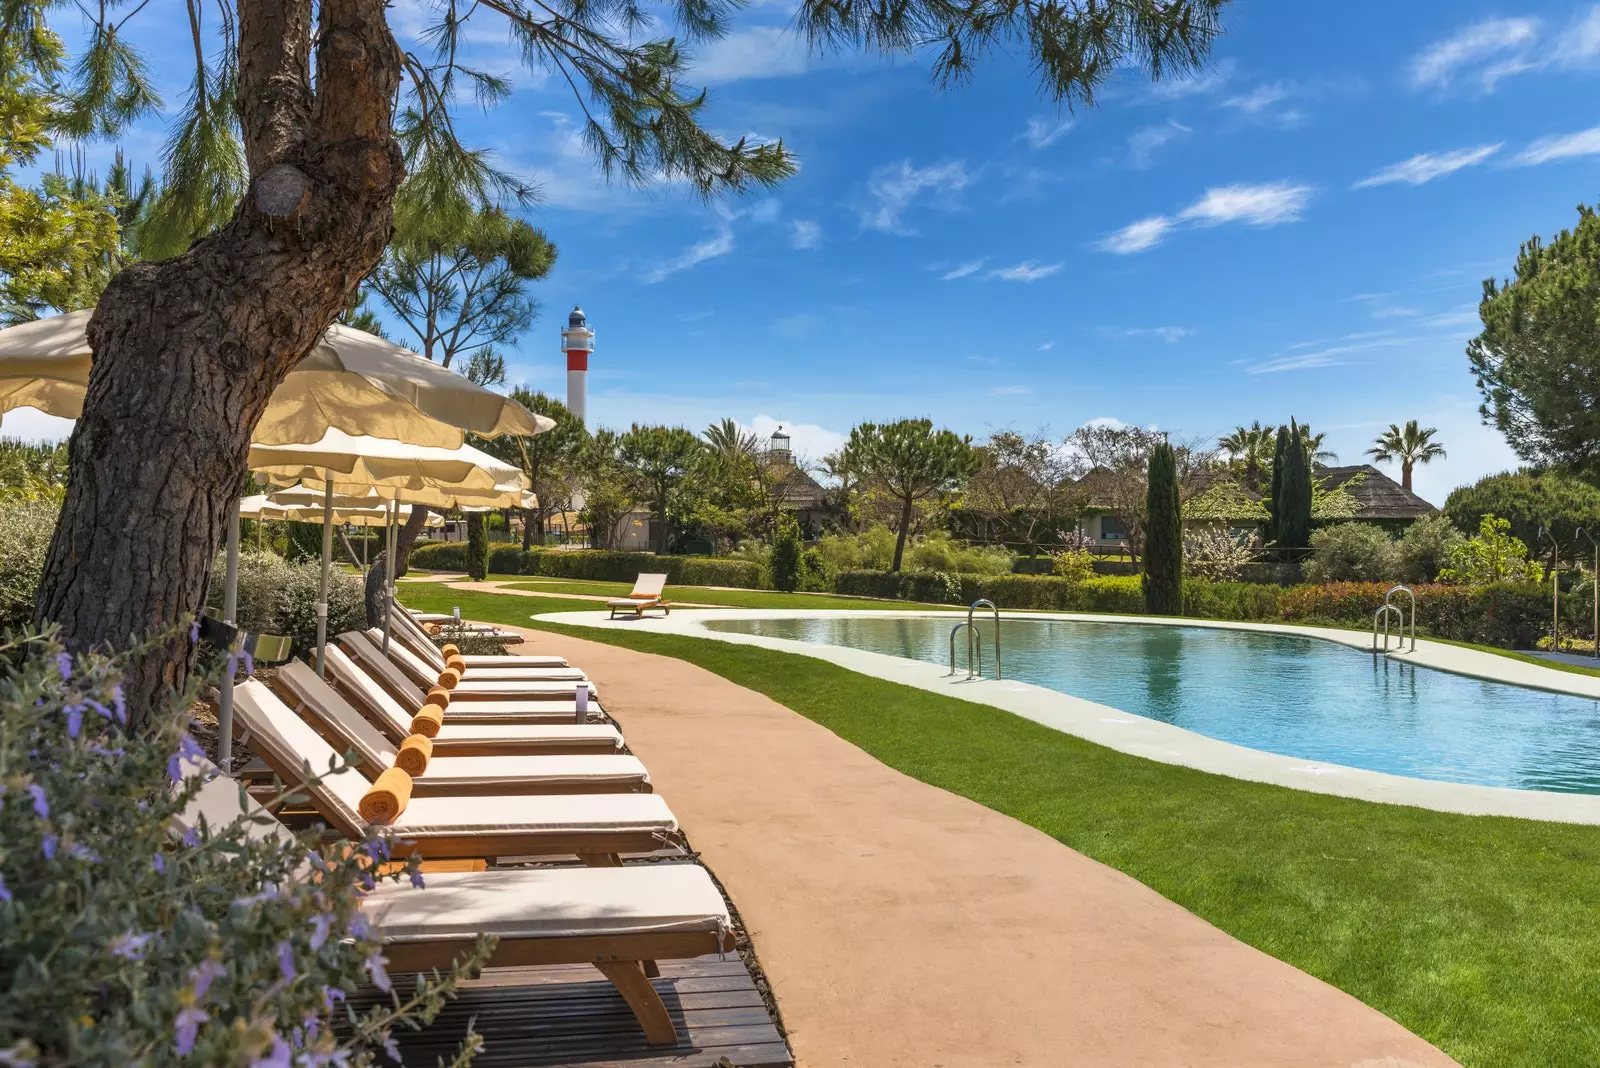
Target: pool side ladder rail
{"points": [[1386, 600], [971, 612], [1383, 612], [974, 649]]}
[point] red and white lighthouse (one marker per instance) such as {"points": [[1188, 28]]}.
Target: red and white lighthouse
{"points": [[578, 341]]}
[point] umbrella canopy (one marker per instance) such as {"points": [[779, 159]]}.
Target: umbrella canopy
{"points": [[352, 381], [258, 507], [440, 478]]}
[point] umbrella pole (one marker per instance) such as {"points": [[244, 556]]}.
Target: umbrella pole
{"points": [[230, 609], [388, 577], [327, 559]]}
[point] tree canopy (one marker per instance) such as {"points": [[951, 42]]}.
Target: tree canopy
{"points": [[1411, 445], [1556, 503], [911, 462]]}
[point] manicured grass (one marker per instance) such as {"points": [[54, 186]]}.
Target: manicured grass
{"points": [[721, 597], [1477, 933]]}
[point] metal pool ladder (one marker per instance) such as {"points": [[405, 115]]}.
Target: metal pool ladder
{"points": [[975, 641], [1384, 611], [1392, 591]]}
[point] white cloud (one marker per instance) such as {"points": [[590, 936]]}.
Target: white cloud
{"points": [[1047, 346], [1267, 204], [1010, 391], [805, 234], [1466, 316], [1333, 356], [1027, 271], [1137, 236], [808, 440], [1580, 44], [1044, 132], [755, 52], [894, 187], [1258, 99], [1144, 143], [1489, 50], [971, 267], [1169, 334], [1426, 166], [1206, 81], [1558, 147], [699, 252]]}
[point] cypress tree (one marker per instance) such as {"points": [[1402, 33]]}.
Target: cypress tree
{"points": [[1163, 535], [1280, 450], [1294, 516], [477, 546]]}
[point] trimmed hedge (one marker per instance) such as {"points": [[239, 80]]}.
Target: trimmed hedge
{"points": [[594, 565], [1511, 615], [1102, 593]]}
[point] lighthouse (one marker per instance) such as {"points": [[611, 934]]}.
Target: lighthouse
{"points": [[578, 342]]}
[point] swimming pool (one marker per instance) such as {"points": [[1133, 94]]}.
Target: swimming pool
{"points": [[1286, 694]]}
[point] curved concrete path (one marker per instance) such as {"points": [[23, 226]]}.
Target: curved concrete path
{"points": [[901, 925]]}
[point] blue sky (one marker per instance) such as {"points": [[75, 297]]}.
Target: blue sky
{"points": [[1302, 229]]}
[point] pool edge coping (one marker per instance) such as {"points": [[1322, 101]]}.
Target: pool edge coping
{"points": [[1139, 736]]}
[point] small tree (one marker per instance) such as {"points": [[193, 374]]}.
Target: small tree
{"points": [[477, 546], [1280, 452], [786, 551], [1022, 492], [1291, 507], [911, 462], [1216, 553], [1163, 536], [660, 459], [1250, 448], [547, 459], [1411, 446], [1557, 502], [608, 487], [1493, 556], [1426, 546]]}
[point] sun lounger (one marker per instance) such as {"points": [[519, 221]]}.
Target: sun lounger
{"points": [[465, 739], [432, 661], [595, 827], [646, 595], [621, 920], [552, 708], [548, 682], [434, 774], [409, 632], [451, 621]]}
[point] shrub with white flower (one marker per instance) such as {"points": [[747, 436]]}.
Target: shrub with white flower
{"points": [[133, 935]]}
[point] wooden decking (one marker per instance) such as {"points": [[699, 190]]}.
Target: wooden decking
{"points": [[568, 1016]]}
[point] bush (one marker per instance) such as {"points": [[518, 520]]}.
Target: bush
{"points": [[1505, 614], [1074, 565], [1103, 593], [277, 597], [873, 550], [1494, 555], [1230, 600], [595, 565], [1352, 552], [25, 530], [450, 556], [1214, 552], [785, 556], [505, 560], [1425, 548], [477, 547], [814, 574], [123, 942]]}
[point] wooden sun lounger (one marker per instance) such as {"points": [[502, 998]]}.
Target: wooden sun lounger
{"points": [[597, 828], [421, 643], [646, 594], [343, 727], [494, 682], [621, 920], [383, 711]]}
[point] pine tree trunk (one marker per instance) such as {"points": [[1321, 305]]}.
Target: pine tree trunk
{"points": [[900, 538], [188, 351], [404, 538]]}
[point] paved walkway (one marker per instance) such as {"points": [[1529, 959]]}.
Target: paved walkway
{"points": [[901, 925], [507, 586]]}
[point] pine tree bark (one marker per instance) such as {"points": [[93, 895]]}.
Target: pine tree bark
{"points": [[187, 351]]}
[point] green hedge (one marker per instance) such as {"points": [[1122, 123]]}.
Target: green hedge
{"points": [[595, 565], [1511, 615], [1102, 593]]}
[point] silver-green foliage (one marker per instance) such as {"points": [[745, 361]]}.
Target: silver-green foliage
{"points": [[25, 529], [1352, 552], [277, 597]]}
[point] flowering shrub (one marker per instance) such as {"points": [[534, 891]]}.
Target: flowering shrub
{"points": [[1074, 565], [1216, 553], [131, 934]]}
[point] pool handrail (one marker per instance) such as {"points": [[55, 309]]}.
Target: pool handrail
{"points": [[1383, 611], [1408, 592], [995, 609], [974, 649]]}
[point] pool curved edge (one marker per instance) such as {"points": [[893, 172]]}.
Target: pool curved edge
{"points": [[1153, 740]]}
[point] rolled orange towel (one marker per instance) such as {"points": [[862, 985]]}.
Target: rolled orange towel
{"points": [[428, 721], [434, 628], [438, 696], [449, 649], [386, 799], [414, 753], [458, 662], [449, 677]]}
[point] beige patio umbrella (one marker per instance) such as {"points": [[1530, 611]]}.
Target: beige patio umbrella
{"points": [[352, 381]]}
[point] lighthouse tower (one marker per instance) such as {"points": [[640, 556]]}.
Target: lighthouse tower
{"points": [[578, 342]]}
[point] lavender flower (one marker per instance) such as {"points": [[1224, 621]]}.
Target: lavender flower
{"points": [[64, 665], [194, 632], [5, 893], [286, 961], [74, 720], [41, 806], [279, 1056], [119, 703], [188, 751], [105, 713], [416, 878], [130, 946], [376, 848], [204, 974], [392, 1048], [49, 846], [380, 977], [187, 1028], [359, 928], [159, 864], [319, 931], [331, 995]]}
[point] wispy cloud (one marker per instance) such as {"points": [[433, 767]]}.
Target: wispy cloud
{"points": [[1559, 147], [1010, 391], [798, 326], [970, 267], [1333, 356], [1043, 132], [893, 188], [1258, 99], [1465, 316], [753, 52], [1137, 236], [1199, 84], [1169, 334], [712, 247], [1426, 166], [805, 234], [1267, 204], [1027, 271], [1047, 346], [1144, 143], [1484, 52]]}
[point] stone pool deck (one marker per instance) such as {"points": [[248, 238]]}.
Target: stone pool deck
{"points": [[901, 925]]}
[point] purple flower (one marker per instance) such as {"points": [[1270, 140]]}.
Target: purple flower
{"points": [[416, 878], [376, 848], [392, 1049], [159, 864], [74, 720], [204, 974], [64, 665], [380, 977], [189, 751], [105, 712], [79, 851], [286, 961], [279, 1056], [359, 927], [194, 631], [319, 931], [49, 845], [41, 806], [5, 893], [187, 1028], [129, 946], [331, 995], [119, 703]]}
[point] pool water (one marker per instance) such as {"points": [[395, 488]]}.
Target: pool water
{"points": [[1300, 697]]}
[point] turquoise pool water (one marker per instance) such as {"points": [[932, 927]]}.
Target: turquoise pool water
{"points": [[1300, 697]]}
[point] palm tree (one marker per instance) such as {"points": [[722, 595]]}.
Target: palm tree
{"points": [[1411, 446], [729, 441], [1314, 449], [1251, 446]]}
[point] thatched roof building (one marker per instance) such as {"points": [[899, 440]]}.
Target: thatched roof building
{"points": [[1378, 497]]}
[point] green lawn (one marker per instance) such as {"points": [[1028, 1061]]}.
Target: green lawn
{"points": [[721, 597], [1477, 933]]}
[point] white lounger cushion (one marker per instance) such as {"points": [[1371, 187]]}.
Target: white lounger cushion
{"points": [[424, 675], [527, 710], [514, 771], [421, 643], [552, 734], [550, 903], [536, 814]]}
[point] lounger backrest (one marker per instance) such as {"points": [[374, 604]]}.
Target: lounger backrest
{"points": [[222, 800], [365, 691], [408, 662], [351, 729], [287, 743], [648, 587], [409, 631], [380, 667]]}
